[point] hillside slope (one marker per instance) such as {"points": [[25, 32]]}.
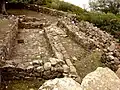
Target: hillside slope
{"points": [[54, 44]]}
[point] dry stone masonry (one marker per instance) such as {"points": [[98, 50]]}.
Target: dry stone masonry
{"points": [[32, 48], [92, 38]]}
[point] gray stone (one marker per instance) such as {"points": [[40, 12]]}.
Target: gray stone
{"points": [[112, 47], [111, 57], [35, 62], [74, 58], [116, 60], [117, 54], [66, 68], [60, 69], [8, 65], [30, 67], [118, 72], [40, 69], [61, 84], [101, 79], [53, 61], [47, 66], [60, 61], [110, 53], [59, 55]]}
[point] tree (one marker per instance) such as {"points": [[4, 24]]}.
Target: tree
{"points": [[3, 4], [2, 7], [112, 6]]}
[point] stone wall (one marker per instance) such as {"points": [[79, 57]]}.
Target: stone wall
{"points": [[92, 38], [45, 10], [60, 51], [32, 23], [35, 70]]}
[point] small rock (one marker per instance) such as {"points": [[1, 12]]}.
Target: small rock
{"points": [[119, 66], [47, 66], [35, 62], [78, 79], [8, 65], [112, 62], [59, 69], [59, 55], [40, 69], [117, 54], [111, 57], [31, 63], [66, 68], [41, 32], [110, 53], [30, 67], [31, 89], [60, 61], [74, 58], [20, 66], [41, 62], [112, 47], [53, 61], [116, 60]]}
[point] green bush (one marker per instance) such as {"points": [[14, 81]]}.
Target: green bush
{"points": [[60, 5], [21, 1], [108, 22]]}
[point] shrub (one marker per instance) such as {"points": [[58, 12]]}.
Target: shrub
{"points": [[108, 22]]}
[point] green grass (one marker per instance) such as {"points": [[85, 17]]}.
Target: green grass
{"points": [[88, 64], [4, 23], [25, 85]]}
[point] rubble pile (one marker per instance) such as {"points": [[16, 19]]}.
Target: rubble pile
{"points": [[33, 48], [92, 38]]}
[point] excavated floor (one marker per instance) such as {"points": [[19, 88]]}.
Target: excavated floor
{"points": [[32, 44]]}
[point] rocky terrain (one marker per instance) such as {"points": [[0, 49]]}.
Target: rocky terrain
{"points": [[100, 79], [56, 45]]}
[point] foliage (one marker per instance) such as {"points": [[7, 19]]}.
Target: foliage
{"points": [[111, 6], [21, 1], [60, 5], [106, 21]]}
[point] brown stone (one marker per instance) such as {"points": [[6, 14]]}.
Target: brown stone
{"points": [[118, 72]]}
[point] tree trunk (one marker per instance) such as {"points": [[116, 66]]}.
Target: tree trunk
{"points": [[2, 7]]}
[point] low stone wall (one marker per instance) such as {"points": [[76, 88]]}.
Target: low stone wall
{"points": [[32, 23], [8, 41], [60, 52], [92, 38], [36, 69], [45, 10], [76, 35]]}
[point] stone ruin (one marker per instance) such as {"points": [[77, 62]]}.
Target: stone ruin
{"points": [[32, 49], [34, 52]]}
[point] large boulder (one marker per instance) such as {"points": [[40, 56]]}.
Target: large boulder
{"points": [[61, 84], [118, 72], [101, 79]]}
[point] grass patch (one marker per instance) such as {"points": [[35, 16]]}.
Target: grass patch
{"points": [[25, 85], [88, 64]]}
